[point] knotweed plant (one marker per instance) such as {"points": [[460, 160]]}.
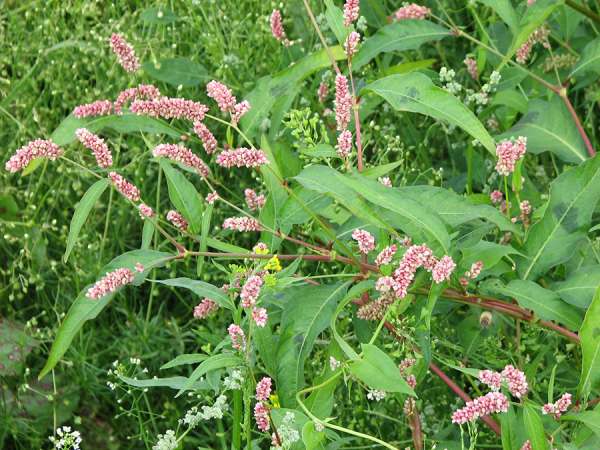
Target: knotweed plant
{"points": [[328, 251]]}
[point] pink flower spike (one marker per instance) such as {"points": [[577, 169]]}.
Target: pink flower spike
{"points": [[496, 197], [343, 102], [516, 380], [238, 338], [127, 189], [386, 255], [415, 256], [560, 406], [241, 224], [177, 220], [351, 12], [475, 270], [412, 11], [251, 291], [145, 211], [443, 269], [277, 28], [170, 108], [208, 139], [509, 151], [263, 389], [344, 145], [239, 110], [242, 157], [110, 283], [222, 95], [182, 155], [490, 378], [205, 308], [125, 53], [260, 317], [141, 92], [322, 92], [97, 108], [385, 181], [38, 148], [471, 67], [527, 443], [366, 241], [254, 200], [97, 145], [261, 415], [139, 267], [384, 284], [212, 198], [406, 364], [493, 402], [351, 44]]}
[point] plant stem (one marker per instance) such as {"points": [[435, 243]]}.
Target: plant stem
{"points": [[583, 10], [321, 37], [236, 442]]}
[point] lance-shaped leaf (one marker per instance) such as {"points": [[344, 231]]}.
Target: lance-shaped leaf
{"points": [[589, 60], [201, 289], [214, 362], [415, 92], [335, 20], [177, 71], [579, 288], [548, 127], [183, 195], [534, 427], [170, 382], [590, 348], [307, 312], [573, 197], [397, 37], [506, 11], [84, 309], [82, 211], [590, 419]]}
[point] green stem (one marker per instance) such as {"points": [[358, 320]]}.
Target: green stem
{"points": [[237, 420]]}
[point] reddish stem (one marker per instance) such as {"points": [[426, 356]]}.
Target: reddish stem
{"points": [[562, 92]]}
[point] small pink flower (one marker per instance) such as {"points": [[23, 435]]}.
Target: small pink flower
{"points": [[560, 406], [260, 317], [538, 36], [182, 155], [38, 148], [277, 28], [205, 308], [516, 380], [527, 443], [443, 269], [351, 44], [251, 291], [222, 95], [97, 108], [475, 270], [127, 189], [322, 92], [509, 152], [260, 247], [125, 53], [110, 283], [366, 241], [351, 12], [145, 211], [241, 224], [491, 378], [406, 364], [384, 284], [263, 389], [211, 198], [177, 220], [239, 110], [343, 102], [238, 338], [412, 11], [170, 108], [254, 200], [415, 256], [344, 145], [139, 267], [261, 416], [97, 145], [525, 207], [208, 139], [493, 402], [411, 380], [385, 181], [471, 67], [242, 157], [496, 197], [141, 92], [386, 255]]}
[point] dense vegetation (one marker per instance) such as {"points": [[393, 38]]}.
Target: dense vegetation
{"points": [[310, 224]]}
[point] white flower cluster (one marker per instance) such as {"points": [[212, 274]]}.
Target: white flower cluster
{"points": [[447, 77], [167, 441], [67, 439], [233, 381], [482, 98], [287, 433], [376, 395], [193, 416]]}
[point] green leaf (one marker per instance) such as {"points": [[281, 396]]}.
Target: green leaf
{"points": [[84, 309], [82, 211], [589, 60], [307, 313], [147, 234], [206, 218], [579, 288], [508, 424], [126, 124], [158, 16], [534, 427], [170, 382], [489, 253], [183, 195], [398, 37], [177, 71], [548, 127], [591, 419], [415, 92], [201, 289], [573, 197], [313, 439], [543, 302], [187, 358], [378, 371], [335, 20], [505, 10], [590, 348], [294, 209], [220, 361], [379, 171]]}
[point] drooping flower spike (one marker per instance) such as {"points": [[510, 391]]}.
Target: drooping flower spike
{"points": [[260, 317], [343, 102], [493, 402], [177, 220], [182, 155], [365, 240], [141, 92], [39, 148], [241, 224], [263, 389], [97, 108], [208, 139], [509, 151], [97, 145], [170, 108], [412, 11], [254, 201], [251, 291], [127, 189], [277, 28], [110, 283], [124, 52], [351, 12], [344, 144], [242, 157], [205, 308], [351, 44]]}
